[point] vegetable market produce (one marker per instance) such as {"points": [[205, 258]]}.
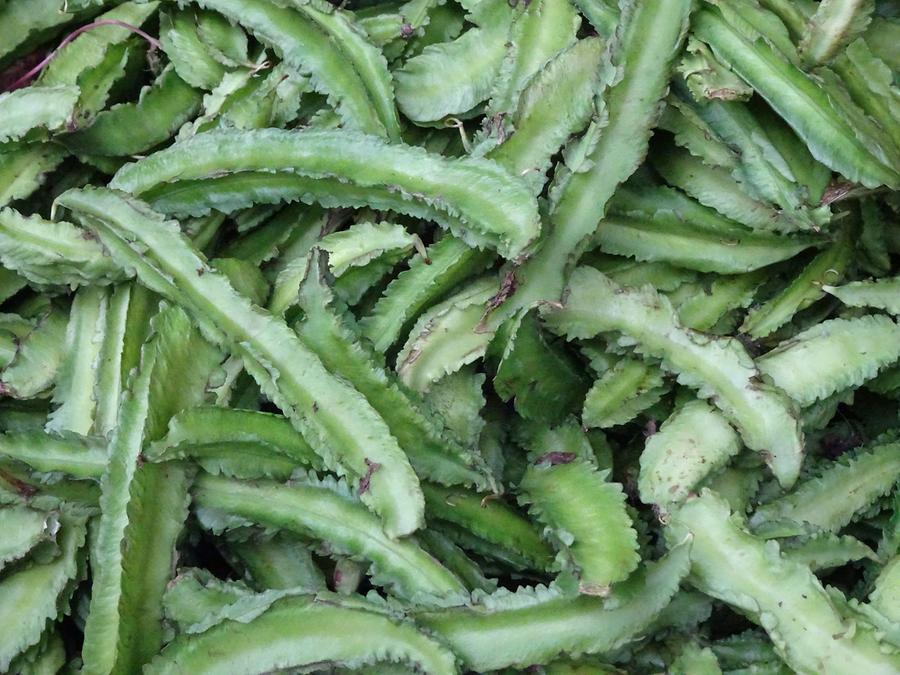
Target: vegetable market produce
{"points": [[450, 336]]}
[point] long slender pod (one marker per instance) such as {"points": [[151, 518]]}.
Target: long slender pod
{"points": [[211, 431], [538, 127], [299, 631], [547, 27], [637, 78], [719, 368], [534, 626], [708, 244], [326, 511], [131, 128], [74, 390], [142, 507], [335, 419], [879, 293], [621, 393], [35, 108], [52, 253], [826, 551], [483, 203], [844, 488], [847, 353], [79, 457], [783, 596]]}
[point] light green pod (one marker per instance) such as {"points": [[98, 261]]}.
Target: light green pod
{"points": [[73, 393], [794, 96], [536, 625], [211, 432], [843, 489], [327, 512], [35, 108], [585, 512], [38, 357], [24, 167], [336, 419], [80, 457], [491, 520], [782, 596], [716, 187], [827, 267], [447, 262], [327, 331], [191, 57], [451, 78], [272, 640], [703, 311], [627, 272], [195, 599], [846, 353], [719, 368], [278, 562], [130, 566], [52, 253], [707, 78], [492, 207], [824, 551], [693, 443], [879, 293], [557, 102], [131, 128], [444, 338], [22, 529], [717, 245], [622, 393], [832, 27], [540, 32], [36, 594]]}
